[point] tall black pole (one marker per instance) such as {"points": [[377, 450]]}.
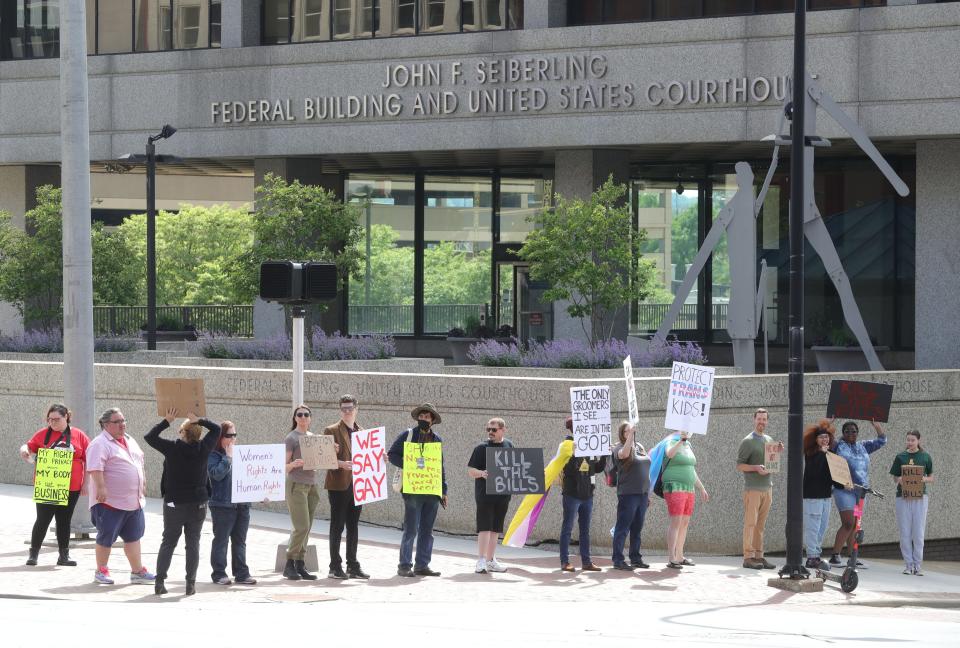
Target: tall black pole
{"points": [[793, 567], [151, 247]]}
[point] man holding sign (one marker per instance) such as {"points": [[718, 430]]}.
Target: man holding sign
{"points": [[491, 509], [418, 452], [757, 490], [912, 469], [339, 484]]}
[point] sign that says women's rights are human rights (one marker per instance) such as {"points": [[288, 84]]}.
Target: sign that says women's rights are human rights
{"points": [[688, 402]]}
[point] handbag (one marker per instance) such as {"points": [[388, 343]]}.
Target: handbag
{"points": [[397, 482], [658, 486]]}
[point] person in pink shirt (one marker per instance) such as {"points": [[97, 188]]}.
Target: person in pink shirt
{"points": [[115, 466]]}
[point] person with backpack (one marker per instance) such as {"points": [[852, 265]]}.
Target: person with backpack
{"points": [[679, 482], [578, 482], [633, 496]]}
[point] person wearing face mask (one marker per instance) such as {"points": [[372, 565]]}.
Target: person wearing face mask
{"points": [[912, 513], [60, 435], [491, 509], [419, 511], [230, 521]]}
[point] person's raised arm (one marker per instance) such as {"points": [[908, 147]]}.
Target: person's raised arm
{"points": [[212, 436], [153, 436]]}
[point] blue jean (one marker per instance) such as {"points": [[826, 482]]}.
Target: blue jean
{"points": [[631, 511], [419, 514], [583, 510], [230, 525], [816, 518]]}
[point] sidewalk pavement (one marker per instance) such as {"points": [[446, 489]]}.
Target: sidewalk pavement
{"points": [[533, 574]]}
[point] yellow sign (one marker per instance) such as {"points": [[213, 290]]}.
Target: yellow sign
{"points": [[51, 483], [423, 469]]}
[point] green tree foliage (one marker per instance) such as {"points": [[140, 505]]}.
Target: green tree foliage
{"points": [[455, 276], [31, 263], [391, 270], [195, 248], [299, 222], [590, 254]]}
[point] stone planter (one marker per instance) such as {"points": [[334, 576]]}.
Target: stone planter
{"points": [[459, 347], [837, 358], [174, 336]]}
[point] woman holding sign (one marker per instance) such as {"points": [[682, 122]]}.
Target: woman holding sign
{"points": [[817, 490], [230, 521], [60, 436], [633, 496], [303, 497], [912, 502], [679, 477]]}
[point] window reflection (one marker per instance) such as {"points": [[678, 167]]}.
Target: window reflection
{"points": [[152, 25], [439, 16], [276, 22], [114, 26], [520, 199], [484, 14], [190, 24], [311, 20], [397, 18], [353, 18]]}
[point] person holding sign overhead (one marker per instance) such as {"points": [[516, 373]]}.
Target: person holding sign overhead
{"points": [[419, 509], [857, 453], [302, 496], [339, 484], [185, 487], [230, 520], [491, 509], [912, 502], [757, 491], [633, 497], [579, 477], [57, 435], [679, 478]]}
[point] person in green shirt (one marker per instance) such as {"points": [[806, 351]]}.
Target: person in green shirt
{"points": [[912, 512], [679, 477], [757, 491]]}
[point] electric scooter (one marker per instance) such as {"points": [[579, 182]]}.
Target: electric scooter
{"points": [[848, 579]]}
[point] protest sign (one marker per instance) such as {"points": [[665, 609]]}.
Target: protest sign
{"points": [[865, 401], [317, 452], [515, 471], [422, 469], [771, 458], [633, 412], [590, 409], [839, 469], [184, 394], [258, 473], [51, 482], [911, 482], [369, 455], [688, 402]]}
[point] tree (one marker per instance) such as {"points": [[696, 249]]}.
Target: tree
{"points": [[391, 270], [590, 255], [298, 222], [31, 263]]}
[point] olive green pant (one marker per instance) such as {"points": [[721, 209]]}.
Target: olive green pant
{"points": [[302, 502]]}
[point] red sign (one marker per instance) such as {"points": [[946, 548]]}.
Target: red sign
{"points": [[536, 319], [859, 400]]}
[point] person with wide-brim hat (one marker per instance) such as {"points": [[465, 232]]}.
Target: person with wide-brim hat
{"points": [[419, 509]]}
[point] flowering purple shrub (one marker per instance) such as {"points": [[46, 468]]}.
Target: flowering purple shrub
{"points": [[351, 347], [51, 341], [575, 354], [664, 355], [114, 343], [491, 353], [214, 345]]}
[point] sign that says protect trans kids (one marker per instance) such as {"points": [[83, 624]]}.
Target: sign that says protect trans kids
{"points": [[688, 403]]}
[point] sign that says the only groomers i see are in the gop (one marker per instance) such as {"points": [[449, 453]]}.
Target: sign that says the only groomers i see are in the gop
{"points": [[688, 403]]}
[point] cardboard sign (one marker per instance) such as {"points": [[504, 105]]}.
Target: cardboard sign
{"points": [[185, 394], [515, 471], [633, 412], [318, 452], [51, 482], [590, 409], [771, 457], [423, 469], [839, 469], [369, 456], [864, 401], [688, 402], [911, 482], [258, 473]]}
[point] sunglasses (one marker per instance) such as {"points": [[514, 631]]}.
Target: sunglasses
{"points": [[493, 429], [229, 436], [302, 414]]}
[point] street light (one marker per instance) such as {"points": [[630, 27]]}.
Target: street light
{"points": [[151, 159]]}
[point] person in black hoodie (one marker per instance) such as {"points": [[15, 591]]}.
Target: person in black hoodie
{"points": [[817, 490], [185, 487], [578, 483]]}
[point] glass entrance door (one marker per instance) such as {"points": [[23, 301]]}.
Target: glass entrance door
{"points": [[521, 305]]}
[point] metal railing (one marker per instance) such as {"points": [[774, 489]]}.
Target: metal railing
{"points": [[229, 319], [398, 318], [649, 316]]}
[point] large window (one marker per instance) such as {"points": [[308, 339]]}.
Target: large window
{"points": [[591, 12]]}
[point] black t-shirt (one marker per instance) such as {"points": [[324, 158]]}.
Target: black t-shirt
{"points": [[478, 460]]}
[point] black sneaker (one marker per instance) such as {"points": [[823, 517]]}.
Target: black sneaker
{"points": [[835, 559], [356, 572], [337, 573], [622, 566], [425, 571], [639, 564], [406, 572]]}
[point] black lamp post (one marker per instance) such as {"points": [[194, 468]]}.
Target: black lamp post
{"points": [[151, 159]]}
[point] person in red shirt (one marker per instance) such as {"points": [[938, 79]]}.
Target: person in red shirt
{"points": [[57, 434]]}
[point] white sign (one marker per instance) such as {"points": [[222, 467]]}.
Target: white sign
{"points": [[369, 455], [632, 409], [590, 409], [688, 403], [258, 473]]}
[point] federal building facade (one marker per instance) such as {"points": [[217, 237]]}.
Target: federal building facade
{"points": [[452, 121]]}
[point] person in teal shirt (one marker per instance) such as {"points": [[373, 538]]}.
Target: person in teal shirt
{"points": [[680, 481], [912, 512]]}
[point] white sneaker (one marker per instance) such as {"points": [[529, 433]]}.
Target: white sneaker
{"points": [[223, 580], [494, 566], [481, 566]]}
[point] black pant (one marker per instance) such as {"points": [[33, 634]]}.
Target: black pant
{"points": [[187, 519], [343, 513], [63, 514]]}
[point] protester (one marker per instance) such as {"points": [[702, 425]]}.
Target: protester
{"points": [[912, 513], [185, 488], [60, 435], [491, 509], [679, 478], [633, 496], [230, 521], [857, 453], [817, 491], [302, 497], [339, 484], [419, 511], [117, 495], [757, 491], [579, 477]]}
